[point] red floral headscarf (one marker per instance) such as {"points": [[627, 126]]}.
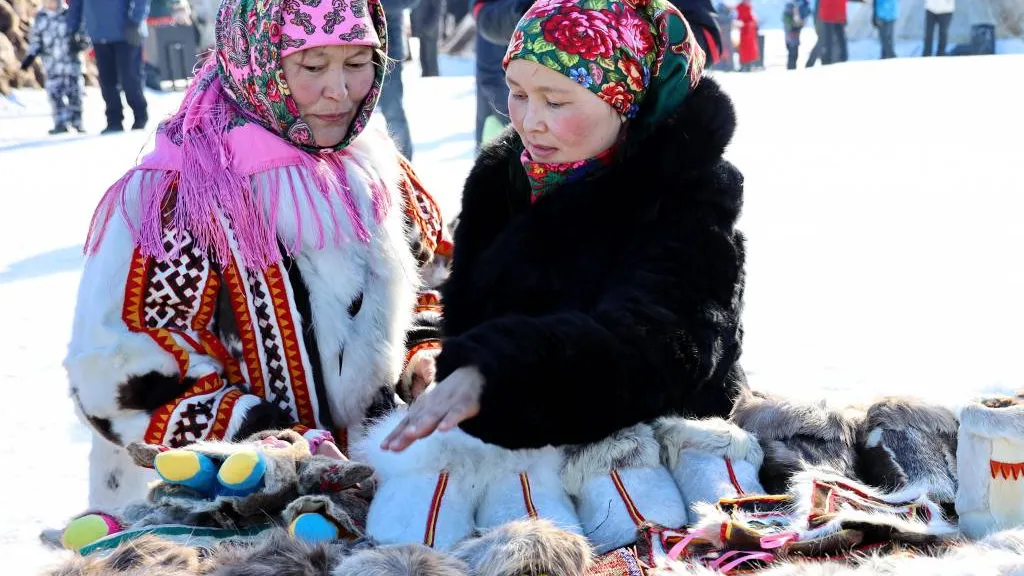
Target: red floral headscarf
{"points": [[624, 51]]}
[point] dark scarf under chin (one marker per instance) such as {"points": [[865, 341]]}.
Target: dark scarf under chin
{"points": [[545, 177]]}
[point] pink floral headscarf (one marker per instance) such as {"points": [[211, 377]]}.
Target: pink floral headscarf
{"points": [[254, 36]]}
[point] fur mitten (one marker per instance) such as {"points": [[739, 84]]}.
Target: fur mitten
{"points": [[709, 459], [525, 484], [794, 436], [526, 547], [426, 494], [905, 442], [990, 466], [619, 484]]}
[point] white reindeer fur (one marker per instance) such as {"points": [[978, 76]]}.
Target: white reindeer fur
{"points": [[407, 480], [695, 452], [503, 499], [634, 453], [981, 428]]}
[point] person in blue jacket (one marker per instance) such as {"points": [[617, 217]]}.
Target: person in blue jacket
{"points": [[392, 93], [885, 16], [117, 29]]}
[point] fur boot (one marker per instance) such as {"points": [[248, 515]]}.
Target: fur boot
{"points": [[619, 484], [990, 466], [526, 547], [794, 436], [428, 493], [525, 484], [407, 560], [709, 459], [904, 443]]}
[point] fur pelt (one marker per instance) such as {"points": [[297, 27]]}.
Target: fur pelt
{"points": [[295, 481], [407, 481], [408, 560], [1001, 554], [712, 435], [905, 442], [276, 555], [794, 435], [587, 314], [633, 447], [526, 547]]}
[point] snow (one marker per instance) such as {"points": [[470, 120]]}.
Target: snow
{"points": [[883, 204]]}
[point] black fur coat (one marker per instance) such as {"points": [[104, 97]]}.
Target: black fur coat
{"points": [[609, 301]]}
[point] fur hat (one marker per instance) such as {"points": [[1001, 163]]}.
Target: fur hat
{"points": [[619, 485], [794, 435], [526, 547], [905, 442]]}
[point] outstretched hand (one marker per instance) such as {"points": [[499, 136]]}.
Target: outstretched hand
{"points": [[451, 401]]}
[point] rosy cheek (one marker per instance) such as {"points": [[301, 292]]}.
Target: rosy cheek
{"points": [[571, 128]]}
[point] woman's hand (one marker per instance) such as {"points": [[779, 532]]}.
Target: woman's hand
{"points": [[423, 374], [454, 399]]}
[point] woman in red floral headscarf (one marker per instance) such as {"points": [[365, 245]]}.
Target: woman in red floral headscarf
{"points": [[597, 277]]}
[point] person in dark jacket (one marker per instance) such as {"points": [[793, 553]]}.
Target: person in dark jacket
{"points": [[117, 29], [597, 278], [495, 22], [392, 94]]}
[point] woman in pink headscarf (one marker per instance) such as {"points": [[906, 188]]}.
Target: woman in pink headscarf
{"points": [[255, 272]]}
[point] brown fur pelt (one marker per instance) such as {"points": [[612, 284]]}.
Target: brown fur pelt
{"points": [[796, 435], [412, 560], [146, 556], [526, 547]]}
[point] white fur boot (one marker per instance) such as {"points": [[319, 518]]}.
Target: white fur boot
{"points": [[709, 459], [990, 467], [619, 484], [427, 493], [526, 484]]}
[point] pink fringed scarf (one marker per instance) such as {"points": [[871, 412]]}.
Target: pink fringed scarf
{"points": [[210, 161]]}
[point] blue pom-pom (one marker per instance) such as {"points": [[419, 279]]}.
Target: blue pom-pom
{"points": [[313, 528]]}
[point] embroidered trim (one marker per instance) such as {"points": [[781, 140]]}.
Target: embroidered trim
{"points": [[293, 348], [435, 509], [732, 477], [531, 510], [1006, 469], [425, 345], [224, 412], [631, 509], [159, 425]]}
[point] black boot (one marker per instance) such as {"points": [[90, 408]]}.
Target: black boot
{"points": [[62, 129], [140, 124], [112, 129]]}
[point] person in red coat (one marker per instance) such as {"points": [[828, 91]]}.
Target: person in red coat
{"points": [[749, 49], [833, 15]]}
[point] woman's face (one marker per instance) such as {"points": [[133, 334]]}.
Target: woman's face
{"points": [[329, 84], [557, 119]]}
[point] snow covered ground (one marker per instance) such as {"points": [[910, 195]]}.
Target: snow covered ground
{"points": [[883, 206]]}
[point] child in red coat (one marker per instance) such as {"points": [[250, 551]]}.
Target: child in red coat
{"points": [[749, 49]]}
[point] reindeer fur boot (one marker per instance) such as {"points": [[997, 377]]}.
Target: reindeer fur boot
{"points": [[526, 547], [795, 435], [525, 484], [990, 465], [428, 493], [619, 485], [709, 459], [905, 442]]}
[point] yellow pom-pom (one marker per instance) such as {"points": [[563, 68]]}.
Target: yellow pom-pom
{"points": [[177, 465]]}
